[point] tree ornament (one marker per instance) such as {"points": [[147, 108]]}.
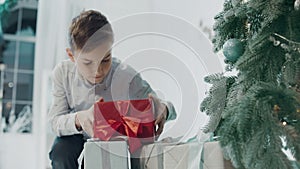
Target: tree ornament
{"points": [[284, 123], [276, 43], [233, 49], [276, 107], [297, 5]]}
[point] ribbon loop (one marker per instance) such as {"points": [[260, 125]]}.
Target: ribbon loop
{"points": [[130, 118]]}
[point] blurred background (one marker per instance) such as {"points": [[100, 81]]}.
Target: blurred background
{"points": [[33, 38]]}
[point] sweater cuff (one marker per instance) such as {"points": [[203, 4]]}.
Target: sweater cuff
{"points": [[70, 124]]}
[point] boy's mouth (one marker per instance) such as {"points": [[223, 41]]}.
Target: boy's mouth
{"points": [[98, 77]]}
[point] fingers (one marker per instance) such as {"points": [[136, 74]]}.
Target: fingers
{"points": [[87, 126], [160, 128], [89, 123], [159, 131], [160, 112], [159, 107], [86, 119], [154, 99], [92, 108], [100, 99], [160, 122]]}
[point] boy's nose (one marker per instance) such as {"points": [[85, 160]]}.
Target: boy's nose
{"points": [[99, 70]]}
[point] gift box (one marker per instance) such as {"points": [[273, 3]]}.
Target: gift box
{"points": [[132, 118], [212, 157], [152, 156], [106, 155], [170, 156]]}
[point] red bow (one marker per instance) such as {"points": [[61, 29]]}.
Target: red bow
{"points": [[132, 118]]}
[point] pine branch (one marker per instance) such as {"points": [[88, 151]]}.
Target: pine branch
{"points": [[293, 140], [215, 102], [262, 105]]}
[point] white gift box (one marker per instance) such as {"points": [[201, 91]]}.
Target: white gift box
{"points": [[212, 157], [151, 156], [106, 155], [171, 156]]}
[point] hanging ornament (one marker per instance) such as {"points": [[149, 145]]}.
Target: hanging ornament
{"points": [[276, 108], [284, 121], [233, 49], [297, 5], [276, 43]]}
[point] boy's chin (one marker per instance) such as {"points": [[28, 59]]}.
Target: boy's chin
{"points": [[95, 81]]}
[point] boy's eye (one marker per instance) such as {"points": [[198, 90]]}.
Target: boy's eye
{"points": [[87, 63], [106, 60]]}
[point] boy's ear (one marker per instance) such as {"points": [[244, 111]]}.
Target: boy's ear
{"points": [[70, 54]]}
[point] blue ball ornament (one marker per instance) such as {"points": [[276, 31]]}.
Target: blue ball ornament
{"points": [[233, 49]]}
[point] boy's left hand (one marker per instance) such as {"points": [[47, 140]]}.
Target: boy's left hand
{"points": [[161, 113]]}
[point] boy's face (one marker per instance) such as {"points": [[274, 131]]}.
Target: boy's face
{"points": [[94, 65]]}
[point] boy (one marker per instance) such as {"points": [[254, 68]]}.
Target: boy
{"points": [[89, 75]]}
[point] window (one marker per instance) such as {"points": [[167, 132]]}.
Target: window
{"points": [[17, 67]]}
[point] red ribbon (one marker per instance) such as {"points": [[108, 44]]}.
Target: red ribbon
{"points": [[131, 118]]}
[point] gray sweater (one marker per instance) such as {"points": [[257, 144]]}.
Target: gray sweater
{"points": [[72, 93]]}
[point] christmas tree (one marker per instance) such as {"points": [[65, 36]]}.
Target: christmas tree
{"points": [[256, 113]]}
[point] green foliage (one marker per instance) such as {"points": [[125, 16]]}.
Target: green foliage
{"points": [[214, 104], [250, 131], [5, 8], [241, 108], [7, 5]]}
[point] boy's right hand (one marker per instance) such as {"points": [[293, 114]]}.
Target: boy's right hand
{"points": [[84, 120]]}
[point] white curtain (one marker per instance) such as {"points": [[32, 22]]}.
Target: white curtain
{"points": [[54, 17]]}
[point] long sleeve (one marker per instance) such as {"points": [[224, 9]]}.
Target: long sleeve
{"points": [[139, 88], [60, 117]]}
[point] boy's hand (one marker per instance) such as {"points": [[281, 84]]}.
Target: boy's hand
{"points": [[161, 113], [84, 120]]}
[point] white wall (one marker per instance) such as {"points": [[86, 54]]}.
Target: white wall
{"points": [[174, 59], [18, 151]]}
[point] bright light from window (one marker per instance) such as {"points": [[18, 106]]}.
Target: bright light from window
{"points": [[2, 1]]}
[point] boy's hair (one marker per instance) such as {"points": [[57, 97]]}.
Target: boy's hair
{"points": [[88, 30]]}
